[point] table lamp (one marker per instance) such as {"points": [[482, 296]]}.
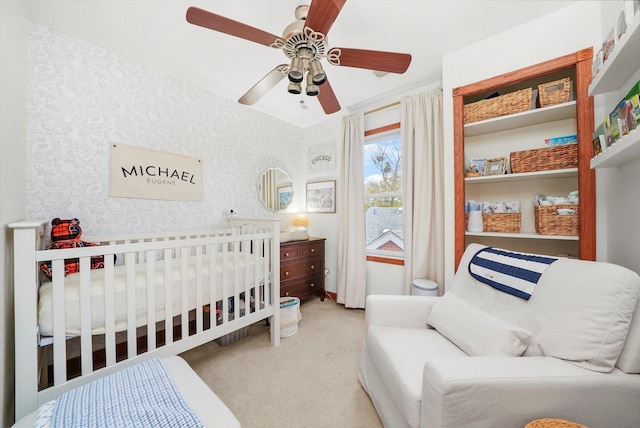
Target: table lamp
{"points": [[300, 222]]}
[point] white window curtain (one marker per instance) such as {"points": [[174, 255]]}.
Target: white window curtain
{"points": [[268, 188], [351, 229], [421, 129]]}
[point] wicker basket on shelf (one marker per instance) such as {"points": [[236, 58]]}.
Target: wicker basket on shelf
{"points": [[545, 159], [513, 102], [498, 222], [549, 222], [556, 92]]}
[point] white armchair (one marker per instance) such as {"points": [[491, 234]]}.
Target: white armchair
{"points": [[572, 351]]}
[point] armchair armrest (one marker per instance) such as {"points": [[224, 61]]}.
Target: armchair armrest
{"points": [[513, 391], [398, 310]]}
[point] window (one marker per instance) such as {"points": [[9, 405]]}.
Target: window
{"points": [[383, 194]]}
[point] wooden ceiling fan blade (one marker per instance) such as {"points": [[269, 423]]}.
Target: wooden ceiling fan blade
{"points": [[264, 85], [392, 62], [221, 24], [328, 99], [322, 14]]}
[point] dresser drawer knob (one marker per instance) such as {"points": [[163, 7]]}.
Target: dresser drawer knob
{"points": [[312, 285], [286, 293], [313, 267], [286, 254], [286, 273], [313, 250]]}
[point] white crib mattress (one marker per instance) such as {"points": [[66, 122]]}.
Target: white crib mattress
{"points": [[246, 272], [211, 411]]}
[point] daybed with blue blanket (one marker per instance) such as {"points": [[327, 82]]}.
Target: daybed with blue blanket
{"points": [[155, 393], [515, 338]]}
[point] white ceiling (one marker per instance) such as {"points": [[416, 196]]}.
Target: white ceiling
{"points": [[156, 34]]}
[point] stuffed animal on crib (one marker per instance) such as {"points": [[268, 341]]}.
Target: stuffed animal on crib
{"points": [[67, 234]]}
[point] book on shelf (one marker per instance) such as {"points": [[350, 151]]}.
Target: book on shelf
{"points": [[560, 141]]}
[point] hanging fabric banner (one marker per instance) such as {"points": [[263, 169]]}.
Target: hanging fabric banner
{"points": [[135, 172], [322, 159]]}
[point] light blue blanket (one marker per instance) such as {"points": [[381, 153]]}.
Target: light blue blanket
{"points": [[142, 395]]}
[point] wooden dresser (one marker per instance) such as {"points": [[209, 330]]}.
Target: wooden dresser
{"points": [[302, 268]]}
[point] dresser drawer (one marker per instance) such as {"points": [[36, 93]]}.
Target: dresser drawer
{"points": [[302, 286], [313, 249], [289, 253], [301, 267]]}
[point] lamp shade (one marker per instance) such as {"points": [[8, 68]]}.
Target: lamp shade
{"points": [[300, 221]]}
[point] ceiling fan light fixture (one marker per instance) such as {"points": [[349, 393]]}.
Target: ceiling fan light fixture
{"points": [[318, 76], [296, 70], [294, 88], [312, 89]]}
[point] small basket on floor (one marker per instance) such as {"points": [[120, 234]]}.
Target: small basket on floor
{"points": [[290, 316], [553, 423]]}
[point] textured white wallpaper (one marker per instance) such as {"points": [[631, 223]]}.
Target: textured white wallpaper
{"points": [[81, 98]]}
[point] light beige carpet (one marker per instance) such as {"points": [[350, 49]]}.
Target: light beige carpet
{"points": [[310, 380]]}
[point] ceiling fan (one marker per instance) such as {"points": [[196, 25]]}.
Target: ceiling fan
{"points": [[304, 41]]}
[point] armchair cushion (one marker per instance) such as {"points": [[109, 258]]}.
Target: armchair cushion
{"points": [[581, 311], [476, 332], [515, 391], [400, 354]]}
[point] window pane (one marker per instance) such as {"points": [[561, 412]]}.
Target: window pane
{"points": [[383, 201]]}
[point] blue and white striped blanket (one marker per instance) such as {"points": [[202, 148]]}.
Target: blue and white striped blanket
{"points": [[142, 395], [509, 271]]}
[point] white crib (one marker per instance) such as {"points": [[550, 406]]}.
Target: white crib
{"points": [[99, 320]]}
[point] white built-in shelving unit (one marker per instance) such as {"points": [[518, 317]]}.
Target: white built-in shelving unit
{"points": [[623, 62]]}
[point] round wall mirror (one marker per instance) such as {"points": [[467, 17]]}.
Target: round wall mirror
{"points": [[275, 189]]}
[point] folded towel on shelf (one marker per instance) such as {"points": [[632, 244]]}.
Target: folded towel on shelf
{"points": [[571, 199], [510, 207]]}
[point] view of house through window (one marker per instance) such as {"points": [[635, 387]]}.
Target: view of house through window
{"points": [[383, 194]]}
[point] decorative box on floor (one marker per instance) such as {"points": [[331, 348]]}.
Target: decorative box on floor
{"points": [[289, 316], [232, 337]]}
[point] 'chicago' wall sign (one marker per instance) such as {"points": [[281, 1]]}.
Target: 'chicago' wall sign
{"points": [[135, 172], [322, 159]]}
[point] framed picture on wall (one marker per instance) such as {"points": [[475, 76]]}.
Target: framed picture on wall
{"points": [[321, 197], [285, 195]]}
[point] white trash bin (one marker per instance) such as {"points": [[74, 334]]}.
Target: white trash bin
{"points": [[289, 316], [423, 287]]}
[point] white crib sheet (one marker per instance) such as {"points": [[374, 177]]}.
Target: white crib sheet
{"points": [[244, 273]]}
